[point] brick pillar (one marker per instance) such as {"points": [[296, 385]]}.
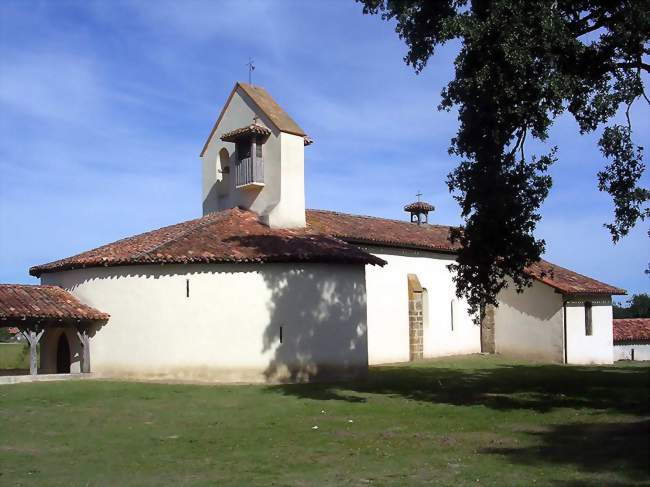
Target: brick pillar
{"points": [[488, 344], [416, 318]]}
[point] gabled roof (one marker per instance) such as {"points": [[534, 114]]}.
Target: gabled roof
{"points": [[401, 234], [233, 235], [271, 109], [281, 119], [22, 302], [631, 329]]}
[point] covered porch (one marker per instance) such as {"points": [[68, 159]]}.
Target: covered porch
{"points": [[53, 321]]}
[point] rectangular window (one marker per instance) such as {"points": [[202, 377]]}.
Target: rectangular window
{"points": [[588, 324], [280, 333], [187, 288]]}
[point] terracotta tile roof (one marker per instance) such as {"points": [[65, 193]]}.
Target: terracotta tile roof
{"points": [[248, 131], [381, 231], [239, 236], [419, 207], [631, 329], [569, 282], [395, 233], [19, 302], [226, 236]]}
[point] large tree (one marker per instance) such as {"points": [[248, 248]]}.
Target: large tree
{"points": [[521, 64], [638, 306]]}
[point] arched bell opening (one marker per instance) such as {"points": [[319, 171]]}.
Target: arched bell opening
{"points": [[223, 172]]}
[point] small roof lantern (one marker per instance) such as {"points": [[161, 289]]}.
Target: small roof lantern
{"points": [[419, 211]]}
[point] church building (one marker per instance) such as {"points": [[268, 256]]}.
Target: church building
{"points": [[260, 289]]}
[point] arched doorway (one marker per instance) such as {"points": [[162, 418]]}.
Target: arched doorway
{"points": [[63, 355]]}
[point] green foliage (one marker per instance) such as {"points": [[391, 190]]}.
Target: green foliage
{"points": [[637, 307], [521, 64], [5, 336], [14, 356]]}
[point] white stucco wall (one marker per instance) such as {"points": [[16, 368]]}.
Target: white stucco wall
{"points": [[530, 324], [597, 348], [623, 350], [388, 320], [229, 327], [281, 201]]}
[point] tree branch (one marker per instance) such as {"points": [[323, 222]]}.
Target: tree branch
{"points": [[638, 65]]}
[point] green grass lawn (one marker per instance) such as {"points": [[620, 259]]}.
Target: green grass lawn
{"points": [[458, 421]]}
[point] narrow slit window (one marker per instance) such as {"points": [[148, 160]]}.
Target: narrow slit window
{"points": [[451, 314], [187, 288], [280, 333], [588, 320]]}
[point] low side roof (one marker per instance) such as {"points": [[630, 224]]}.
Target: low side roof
{"points": [[233, 235], [631, 329], [265, 102], [395, 233], [20, 302], [569, 282]]}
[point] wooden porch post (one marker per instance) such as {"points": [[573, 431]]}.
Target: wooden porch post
{"points": [[33, 338], [82, 334]]}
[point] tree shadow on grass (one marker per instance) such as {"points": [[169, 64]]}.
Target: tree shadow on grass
{"points": [[541, 388], [595, 448], [621, 448]]}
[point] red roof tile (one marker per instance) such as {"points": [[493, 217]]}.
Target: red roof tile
{"points": [[233, 235], [631, 329], [395, 233], [381, 231], [249, 131], [419, 207], [20, 301], [569, 282]]}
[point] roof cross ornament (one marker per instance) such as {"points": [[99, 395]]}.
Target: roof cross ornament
{"points": [[251, 68], [418, 194]]}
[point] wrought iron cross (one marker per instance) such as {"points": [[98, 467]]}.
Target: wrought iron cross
{"points": [[418, 194], [251, 68]]}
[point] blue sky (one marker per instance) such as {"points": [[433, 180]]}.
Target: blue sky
{"points": [[104, 108]]}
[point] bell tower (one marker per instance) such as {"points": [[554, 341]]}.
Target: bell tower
{"points": [[254, 159]]}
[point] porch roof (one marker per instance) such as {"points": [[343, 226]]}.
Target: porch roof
{"points": [[23, 304]]}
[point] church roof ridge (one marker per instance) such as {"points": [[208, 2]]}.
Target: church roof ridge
{"points": [[374, 217], [378, 231]]}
